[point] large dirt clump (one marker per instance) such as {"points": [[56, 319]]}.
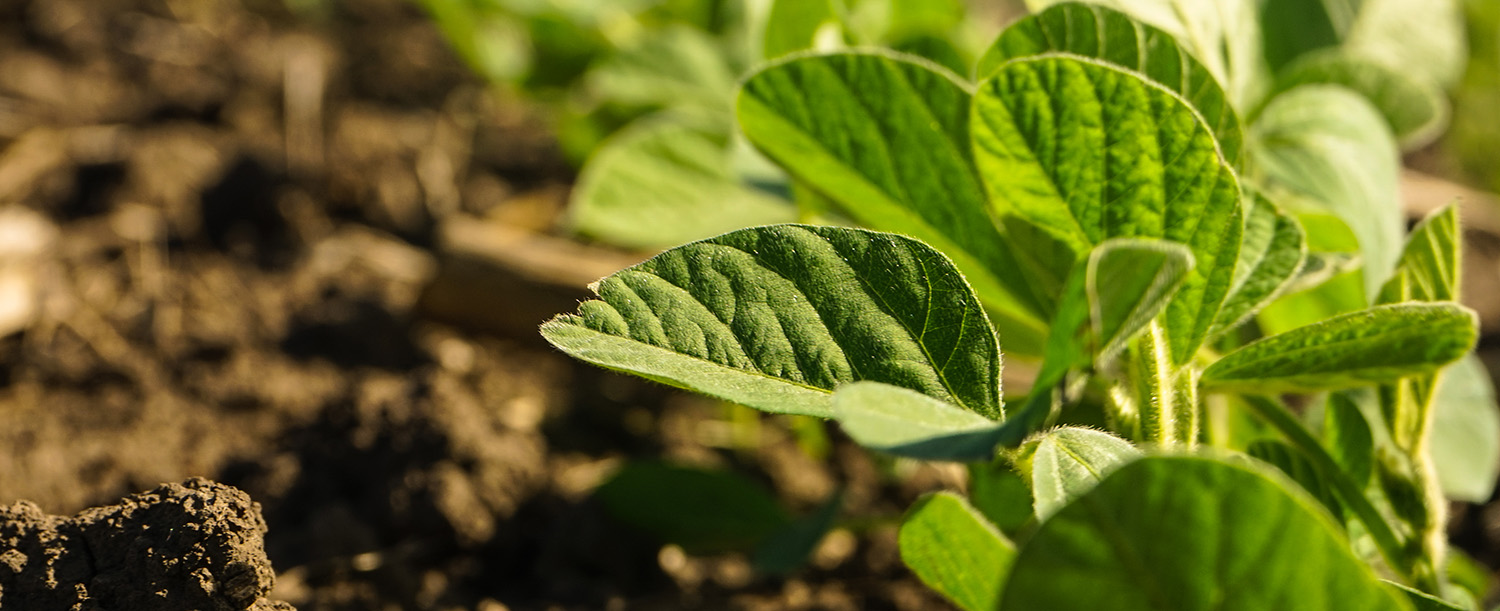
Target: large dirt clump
{"points": [[194, 546]]}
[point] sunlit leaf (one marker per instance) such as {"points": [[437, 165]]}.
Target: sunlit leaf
{"points": [[777, 317], [1083, 152], [1092, 30], [886, 136], [1376, 345]]}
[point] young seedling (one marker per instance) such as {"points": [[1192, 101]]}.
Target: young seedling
{"points": [[1097, 196]]}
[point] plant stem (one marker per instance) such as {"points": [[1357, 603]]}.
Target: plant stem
{"points": [[1154, 390], [1282, 419]]}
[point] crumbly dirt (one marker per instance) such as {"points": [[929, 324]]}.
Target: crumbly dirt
{"points": [[208, 557], [218, 222]]}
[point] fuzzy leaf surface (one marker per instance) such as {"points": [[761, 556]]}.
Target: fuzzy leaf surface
{"points": [[1376, 345], [777, 317], [953, 549], [1106, 34], [1192, 534], [1083, 151], [904, 422], [886, 136], [1272, 253], [1070, 461], [663, 182]]}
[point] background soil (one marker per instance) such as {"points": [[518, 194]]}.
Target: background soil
{"points": [[223, 256], [226, 250]]}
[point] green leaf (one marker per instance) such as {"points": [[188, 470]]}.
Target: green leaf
{"points": [[1129, 282], [1376, 345], [1192, 534], [1001, 494], [1070, 461], [1295, 28], [1422, 601], [777, 317], [1429, 265], [1465, 442], [954, 550], [887, 137], [1272, 253], [940, 50], [676, 66], [1102, 33], [1298, 467], [904, 422], [788, 549], [1413, 108], [1420, 38], [662, 182], [1325, 146], [795, 25], [1224, 35], [1347, 435], [1084, 151], [702, 511]]}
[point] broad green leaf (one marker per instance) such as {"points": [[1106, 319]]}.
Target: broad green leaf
{"points": [[1347, 435], [1376, 345], [777, 317], [1129, 282], [1192, 534], [676, 66], [788, 549], [1224, 35], [1084, 151], [887, 137], [1421, 38], [1429, 266], [1001, 494], [1070, 461], [937, 49], [703, 511], [795, 25], [1295, 28], [1102, 33], [1413, 108], [899, 421], [1465, 434], [1272, 253], [1299, 468], [663, 182], [953, 549], [1325, 146]]}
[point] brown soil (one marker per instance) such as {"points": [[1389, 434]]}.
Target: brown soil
{"points": [[219, 221]]}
